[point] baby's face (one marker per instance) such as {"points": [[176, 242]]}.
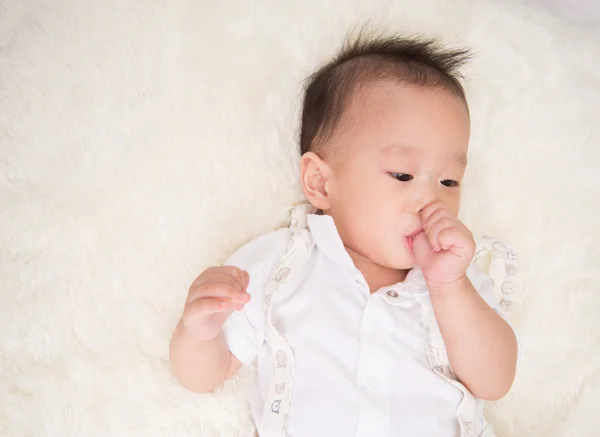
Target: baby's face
{"points": [[398, 149]]}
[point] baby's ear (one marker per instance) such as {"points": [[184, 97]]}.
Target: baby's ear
{"points": [[314, 175]]}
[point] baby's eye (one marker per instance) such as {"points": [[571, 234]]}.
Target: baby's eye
{"points": [[402, 177], [449, 183]]}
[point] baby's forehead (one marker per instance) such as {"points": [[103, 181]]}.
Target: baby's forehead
{"points": [[406, 120], [374, 94]]}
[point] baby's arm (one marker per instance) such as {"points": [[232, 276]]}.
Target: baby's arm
{"points": [[210, 341], [481, 346], [201, 366], [200, 357]]}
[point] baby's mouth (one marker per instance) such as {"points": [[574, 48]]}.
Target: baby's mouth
{"points": [[412, 235]]}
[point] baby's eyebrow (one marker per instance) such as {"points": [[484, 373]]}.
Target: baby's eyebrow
{"points": [[461, 158], [399, 149], [402, 149]]}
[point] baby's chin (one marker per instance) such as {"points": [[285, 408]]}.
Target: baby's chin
{"points": [[404, 266], [385, 255], [404, 261]]}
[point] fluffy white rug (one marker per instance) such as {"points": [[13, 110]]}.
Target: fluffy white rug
{"points": [[141, 141]]}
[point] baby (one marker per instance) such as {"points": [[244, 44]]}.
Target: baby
{"points": [[370, 315]]}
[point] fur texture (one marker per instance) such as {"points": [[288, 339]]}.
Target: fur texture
{"points": [[143, 141]]}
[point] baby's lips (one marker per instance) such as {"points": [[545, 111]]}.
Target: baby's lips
{"points": [[415, 233]]}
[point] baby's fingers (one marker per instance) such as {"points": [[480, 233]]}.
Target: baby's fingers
{"points": [[431, 209], [206, 307], [458, 243], [435, 217], [434, 231], [228, 274], [219, 290]]}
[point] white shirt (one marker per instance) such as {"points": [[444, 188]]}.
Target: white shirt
{"points": [[361, 367]]}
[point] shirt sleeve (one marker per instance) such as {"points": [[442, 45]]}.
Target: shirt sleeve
{"points": [[485, 287], [244, 331]]}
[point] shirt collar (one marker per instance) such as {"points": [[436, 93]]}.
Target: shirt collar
{"points": [[327, 238]]}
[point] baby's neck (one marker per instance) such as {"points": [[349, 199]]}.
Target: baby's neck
{"points": [[378, 276]]}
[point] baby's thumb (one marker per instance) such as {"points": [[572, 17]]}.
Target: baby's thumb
{"points": [[421, 247]]}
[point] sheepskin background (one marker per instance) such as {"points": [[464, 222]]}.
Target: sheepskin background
{"points": [[144, 140]]}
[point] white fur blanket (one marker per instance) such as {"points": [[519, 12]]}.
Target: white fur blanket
{"points": [[141, 141]]}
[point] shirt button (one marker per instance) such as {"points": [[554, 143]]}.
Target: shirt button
{"points": [[392, 293], [373, 383]]}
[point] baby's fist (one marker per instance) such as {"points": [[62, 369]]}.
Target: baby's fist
{"points": [[445, 248], [212, 297]]}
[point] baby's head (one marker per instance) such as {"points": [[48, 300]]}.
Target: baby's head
{"points": [[385, 130]]}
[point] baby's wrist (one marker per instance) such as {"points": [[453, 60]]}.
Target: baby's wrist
{"points": [[449, 287], [193, 336]]}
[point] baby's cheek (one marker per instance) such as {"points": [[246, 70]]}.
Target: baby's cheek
{"points": [[452, 203]]}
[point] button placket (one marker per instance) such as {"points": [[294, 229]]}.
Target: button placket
{"points": [[374, 368], [402, 298], [378, 325], [360, 282]]}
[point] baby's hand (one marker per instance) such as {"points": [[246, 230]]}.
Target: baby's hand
{"points": [[445, 248], [212, 298]]}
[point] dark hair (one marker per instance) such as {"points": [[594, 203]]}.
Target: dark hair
{"points": [[412, 60]]}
